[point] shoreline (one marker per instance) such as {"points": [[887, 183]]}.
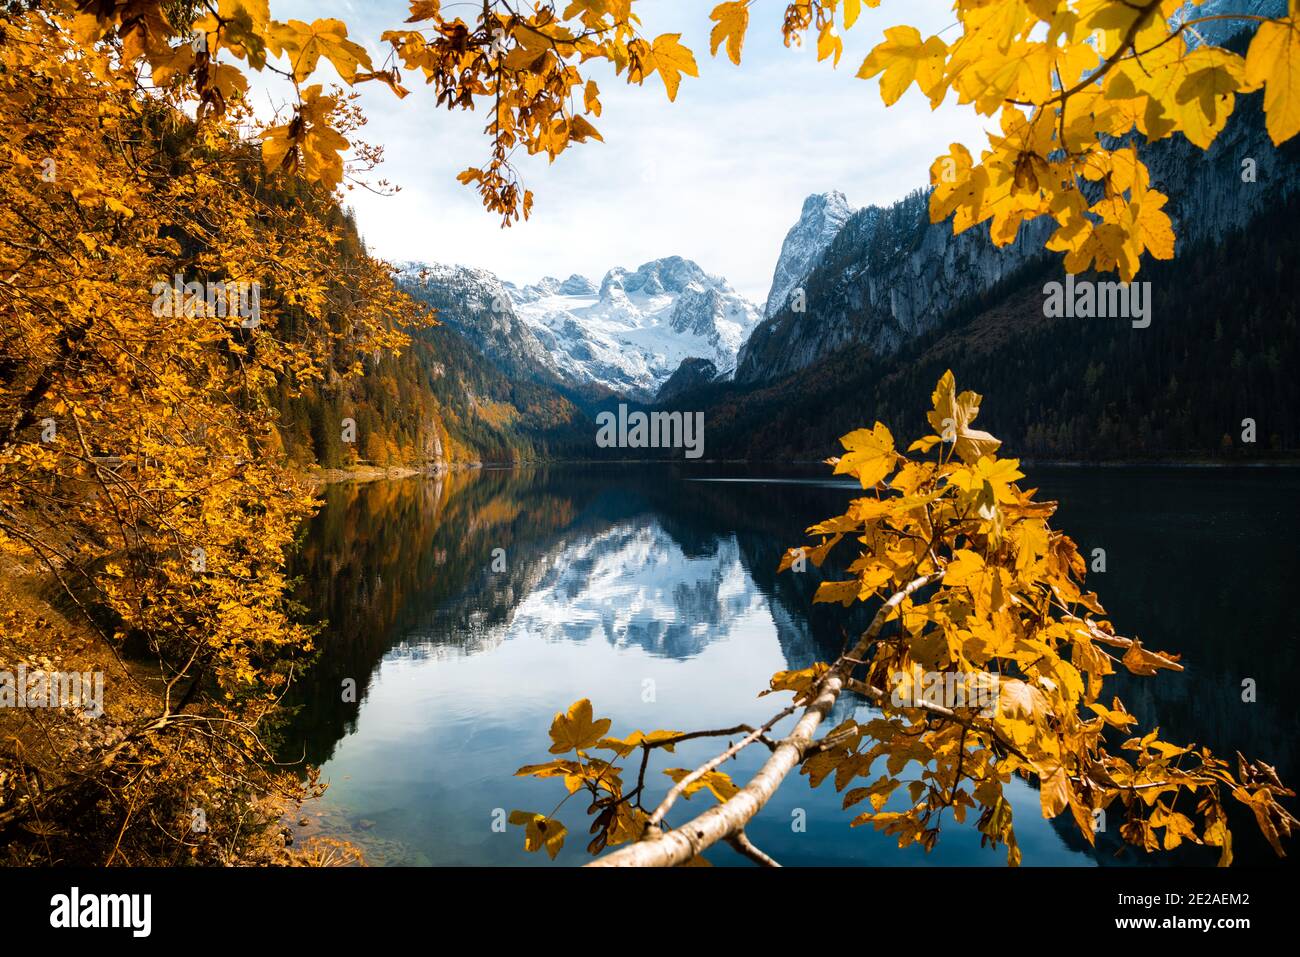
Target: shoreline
{"points": [[375, 473], [368, 474]]}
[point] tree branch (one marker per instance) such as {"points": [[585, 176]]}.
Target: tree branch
{"points": [[741, 844]]}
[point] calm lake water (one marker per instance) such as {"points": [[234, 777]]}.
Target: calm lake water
{"points": [[653, 591]]}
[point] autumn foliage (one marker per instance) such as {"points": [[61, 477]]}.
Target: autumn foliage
{"points": [[971, 587], [141, 469]]}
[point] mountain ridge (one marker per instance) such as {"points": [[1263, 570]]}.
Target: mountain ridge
{"points": [[632, 332]]}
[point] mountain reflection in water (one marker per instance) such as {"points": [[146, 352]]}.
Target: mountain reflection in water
{"points": [[653, 591]]}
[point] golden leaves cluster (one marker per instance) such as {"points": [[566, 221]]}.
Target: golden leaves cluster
{"points": [[1071, 83], [617, 813], [202, 55], [161, 497], [1011, 615], [528, 68]]}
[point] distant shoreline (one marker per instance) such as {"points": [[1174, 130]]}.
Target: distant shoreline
{"points": [[366, 474], [374, 473]]}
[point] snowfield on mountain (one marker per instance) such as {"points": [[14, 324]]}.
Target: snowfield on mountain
{"points": [[633, 332]]}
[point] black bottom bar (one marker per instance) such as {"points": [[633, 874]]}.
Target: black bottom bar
{"points": [[330, 907]]}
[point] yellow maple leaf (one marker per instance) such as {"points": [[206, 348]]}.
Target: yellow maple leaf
{"points": [[540, 832], [952, 416], [732, 22], [671, 60], [829, 43], [797, 681], [870, 455], [965, 569], [306, 43], [576, 730], [903, 58], [625, 746], [424, 10], [717, 783], [573, 772], [1204, 98], [1273, 62], [1054, 786], [1142, 661], [960, 187]]}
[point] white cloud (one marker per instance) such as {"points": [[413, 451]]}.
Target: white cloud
{"points": [[719, 176]]}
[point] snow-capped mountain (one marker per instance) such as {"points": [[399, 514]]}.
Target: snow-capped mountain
{"points": [[575, 285], [822, 218], [632, 332]]}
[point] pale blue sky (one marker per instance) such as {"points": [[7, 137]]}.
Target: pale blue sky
{"points": [[718, 177]]}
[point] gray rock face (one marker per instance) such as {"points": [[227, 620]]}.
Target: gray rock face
{"points": [[890, 275], [887, 277], [479, 306], [822, 218], [691, 374], [575, 285], [697, 310]]}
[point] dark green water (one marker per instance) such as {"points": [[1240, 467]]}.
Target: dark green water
{"points": [[652, 590]]}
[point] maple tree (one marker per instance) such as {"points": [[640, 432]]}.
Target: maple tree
{"points": [[972, 589], [140, 463]]}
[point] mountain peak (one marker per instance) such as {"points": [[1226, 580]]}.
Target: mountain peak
{"points": [[643, 324], [577, 285], [479, 306], [820, 221], [670, 275], [820, 203], [892, 274]]}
